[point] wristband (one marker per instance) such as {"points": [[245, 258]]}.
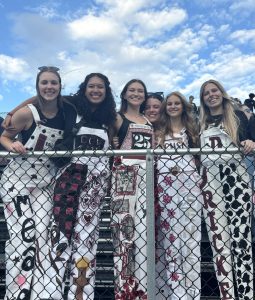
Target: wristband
{"points": [[9, 114]]}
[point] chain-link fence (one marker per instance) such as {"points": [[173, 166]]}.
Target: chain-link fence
{"points": [[137, 224]]}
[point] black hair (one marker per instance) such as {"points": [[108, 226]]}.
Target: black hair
{"points": [[123, 105], [105, 113]]}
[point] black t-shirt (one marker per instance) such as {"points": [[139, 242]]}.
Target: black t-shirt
{"points": [[243, 124]]}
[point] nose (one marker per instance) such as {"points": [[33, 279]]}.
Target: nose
{"points": [[210, 93], [135, 92], [49, 85], [95, 89]]}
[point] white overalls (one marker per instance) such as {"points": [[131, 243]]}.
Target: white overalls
{"points": [[26, 191], [79, 193], [180, 199], [129, 216], [227, 211]]}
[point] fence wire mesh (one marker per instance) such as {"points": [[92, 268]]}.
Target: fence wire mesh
{"points": [[126, 225]]}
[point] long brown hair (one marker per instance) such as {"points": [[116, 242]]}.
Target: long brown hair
{"points": [[229, 118], [186, 118]]}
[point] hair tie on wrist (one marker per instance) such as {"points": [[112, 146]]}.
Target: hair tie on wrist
{"points": [[9, 114]]}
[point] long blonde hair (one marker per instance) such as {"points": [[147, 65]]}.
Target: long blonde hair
{"points": [[165, 126], [229, 118]]}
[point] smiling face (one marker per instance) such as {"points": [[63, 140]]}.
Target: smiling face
{"points": [[174, 107], [49, 86], [135, 94], [95, 90], [152, 109], [213, 98]]}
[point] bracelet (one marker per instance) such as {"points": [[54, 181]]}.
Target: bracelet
{"points": [[9, 114]]}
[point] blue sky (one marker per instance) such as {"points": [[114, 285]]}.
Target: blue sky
{"points": [[170, 45]]}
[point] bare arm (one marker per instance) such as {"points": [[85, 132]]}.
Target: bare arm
{"points": [[22, 119], [114, 131], [7, 123]]}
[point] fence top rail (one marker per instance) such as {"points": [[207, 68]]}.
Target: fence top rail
{"points": [[159, 152]]}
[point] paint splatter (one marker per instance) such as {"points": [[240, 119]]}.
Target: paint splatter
{"points": [[20, 280]]}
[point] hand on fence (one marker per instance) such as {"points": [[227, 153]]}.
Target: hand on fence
{"points": [[17, 147], [248, 146], [115, 142]]}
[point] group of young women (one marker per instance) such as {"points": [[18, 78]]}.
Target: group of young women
{"points": [[53, 213]]}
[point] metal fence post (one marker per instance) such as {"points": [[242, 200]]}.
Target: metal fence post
{"points": [[151, 287]]}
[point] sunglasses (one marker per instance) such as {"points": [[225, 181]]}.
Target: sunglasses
{"points": [[157, 95], [48, 68]]}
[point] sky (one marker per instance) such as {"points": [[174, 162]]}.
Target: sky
{"points": [[170, 45]]}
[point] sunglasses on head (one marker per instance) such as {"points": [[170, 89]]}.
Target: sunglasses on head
{"points": [[48, 68], [157, 95]]}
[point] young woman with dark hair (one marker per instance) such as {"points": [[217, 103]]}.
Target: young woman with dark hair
{"points": [[79, 192], [26, 187], [180, 200], [133, 131], [226, 191]]}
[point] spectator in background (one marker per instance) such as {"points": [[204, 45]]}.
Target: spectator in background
{"points": [[250, 102], [249, 159], [194, 107]]}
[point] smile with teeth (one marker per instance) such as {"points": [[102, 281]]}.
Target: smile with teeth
{"points": [[212, 100], [50, 93], [95, 96]]}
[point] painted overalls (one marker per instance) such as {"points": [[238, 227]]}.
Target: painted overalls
{"points": [[227, 211], [180, 199], [129, 216], [27, 192], [78, 195]]}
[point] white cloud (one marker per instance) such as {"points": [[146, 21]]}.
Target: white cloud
{"points": [[45, 10], [167, 44], [94, 28], [243, 6], [12, 68], [244, 36], [166, 19]]}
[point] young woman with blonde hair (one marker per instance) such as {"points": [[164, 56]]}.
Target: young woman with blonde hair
{"points": [[226, 191], [180, 200]]}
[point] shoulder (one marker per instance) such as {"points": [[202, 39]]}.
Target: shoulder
{"points": [[21, 119], [23, 113]]}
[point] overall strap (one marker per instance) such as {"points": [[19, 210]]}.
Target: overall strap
{"points": [[34, 112]]}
